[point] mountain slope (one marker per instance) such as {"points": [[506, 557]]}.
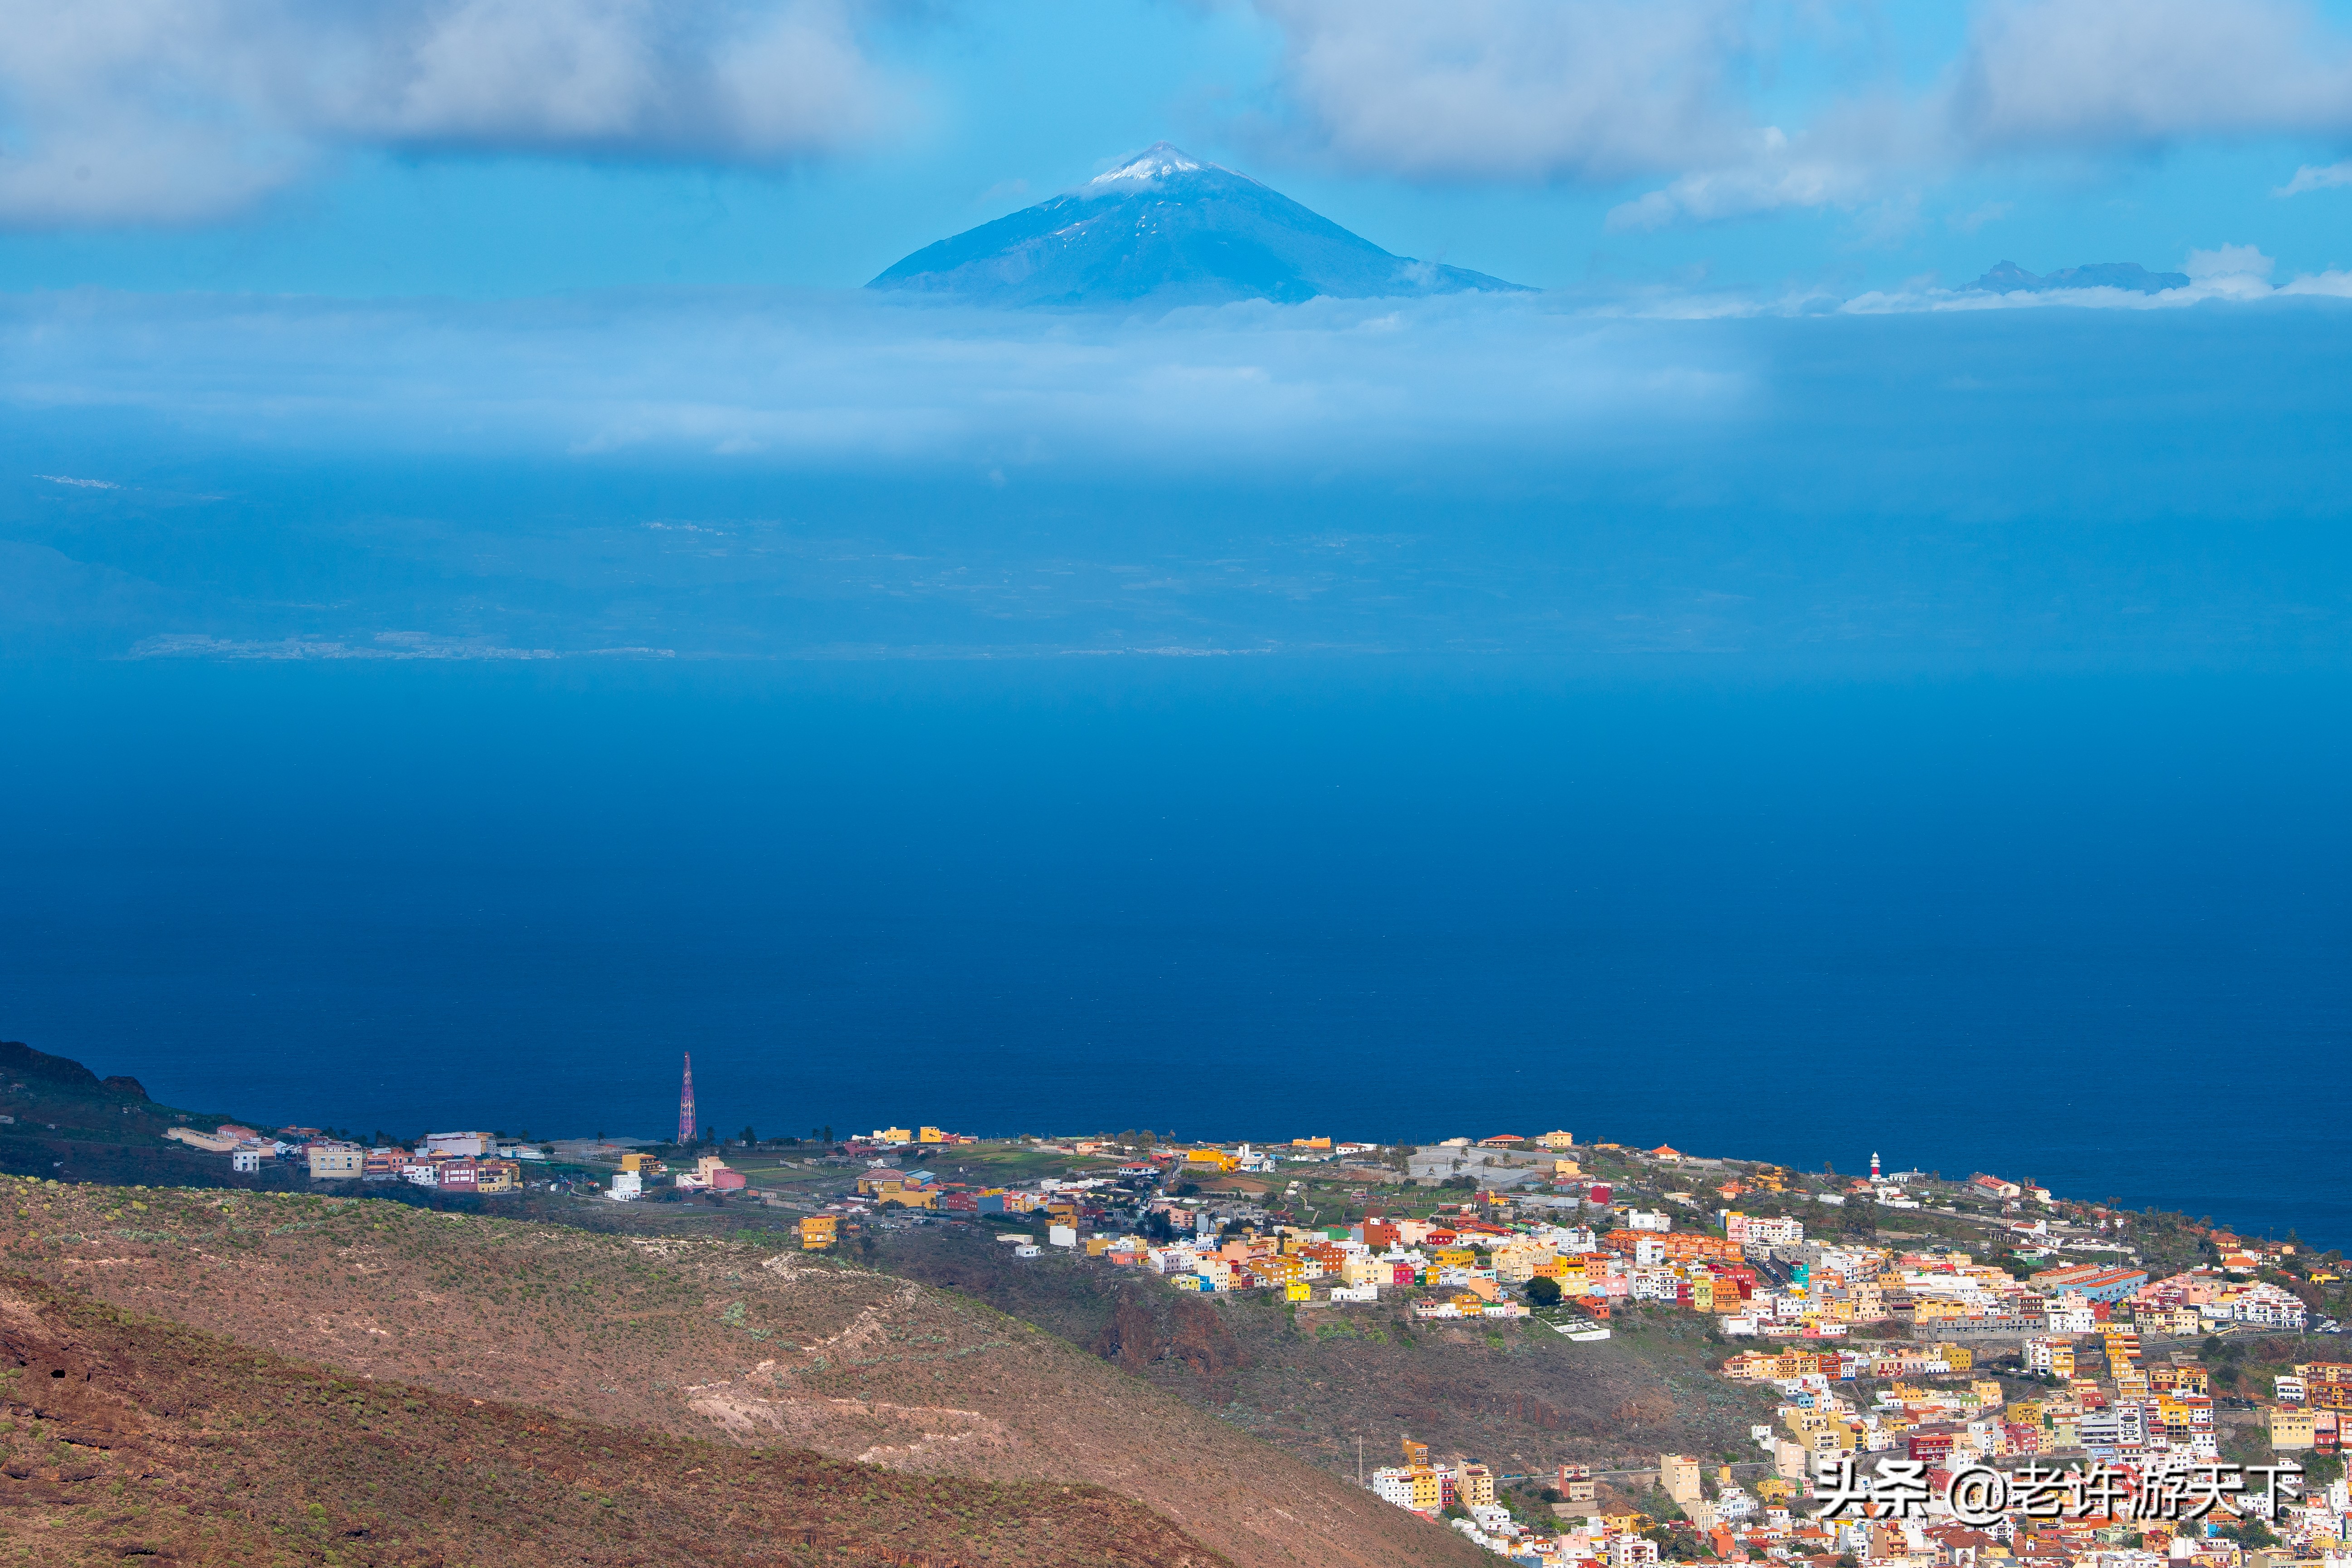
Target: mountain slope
{"points": [[707, 1339], [1166, 228], [1311, 1378], [68, 1123], [130, 1437]]}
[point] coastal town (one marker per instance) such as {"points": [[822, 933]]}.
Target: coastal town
{"points": [[1960, 1371]]}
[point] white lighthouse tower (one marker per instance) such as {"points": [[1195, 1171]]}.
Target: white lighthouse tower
{"points": [[1873, 1164]]}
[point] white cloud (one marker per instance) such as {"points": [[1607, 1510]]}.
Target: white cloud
{"points": [[1989, 212], [1773, 176], [2042, 75], [404, 647], [1534, 91], [858, 380], [2312, 177], [175, 111], [1514, 89], [2229, 261], [2242, 278]]}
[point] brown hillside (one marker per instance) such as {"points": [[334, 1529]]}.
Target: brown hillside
{"points": [[698, 1339], [132, 1437]]}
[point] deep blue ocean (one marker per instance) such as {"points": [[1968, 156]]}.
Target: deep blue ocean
{"points": [[1798, 736], [2089, 929]]}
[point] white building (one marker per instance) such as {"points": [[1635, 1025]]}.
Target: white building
{"points": [[627, 1185], [458, 1145], [2071, 1314], [1633, 1552], [2040, 1352]]}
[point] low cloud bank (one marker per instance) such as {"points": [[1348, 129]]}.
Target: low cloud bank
{"points": [[1922, 478], [849, 381]]}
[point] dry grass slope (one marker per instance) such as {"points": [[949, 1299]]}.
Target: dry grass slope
{"points": [[132, 1437], [696, 1338]]}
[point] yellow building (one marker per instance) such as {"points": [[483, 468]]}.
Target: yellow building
{"points": [[1316, 1143], [1297, 1291], [1557, 1141], [1474, 1486], [1457, 1256], [1416, 1455], [817, 1232], [930, 1135], [1215, 1159], [1428, 1495], [2292, 1427], [1678, 1479], [893, 1135]]}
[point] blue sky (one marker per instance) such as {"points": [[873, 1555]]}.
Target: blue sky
{"points": [[486, 148]]}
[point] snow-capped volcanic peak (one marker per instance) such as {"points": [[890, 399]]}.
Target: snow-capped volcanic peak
{"points": [[1163, 227], [1155, 161]]}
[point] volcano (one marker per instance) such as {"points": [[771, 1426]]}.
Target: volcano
{"points": [[1165, 228]]}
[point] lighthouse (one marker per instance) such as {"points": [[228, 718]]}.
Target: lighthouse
{"points": [[685, 1103], [1873, 1164]]}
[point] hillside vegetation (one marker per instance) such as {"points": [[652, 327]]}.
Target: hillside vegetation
{"points": [[129, 1437], [64, 1121], [1312, 1381], [695, 1339]]}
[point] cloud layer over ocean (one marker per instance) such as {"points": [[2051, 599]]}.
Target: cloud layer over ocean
{"points": [[1921, 477]]}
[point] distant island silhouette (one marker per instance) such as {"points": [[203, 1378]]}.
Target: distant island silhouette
{"points": [[2009, 277]]}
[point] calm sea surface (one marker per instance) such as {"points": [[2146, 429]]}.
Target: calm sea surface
{"points": [[2090, 930]]}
